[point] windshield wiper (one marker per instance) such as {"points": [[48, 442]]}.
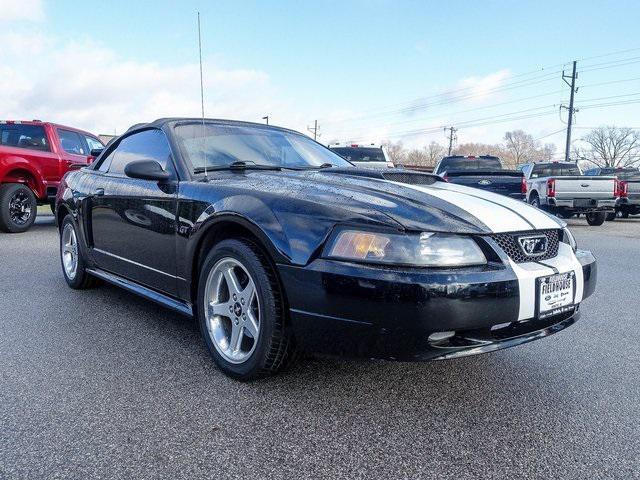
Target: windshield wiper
{"points": [[238, 165]]}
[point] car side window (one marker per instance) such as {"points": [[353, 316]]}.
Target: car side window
{"points": [[93, 143], [72, 142], [145, 145], [19, 135]]}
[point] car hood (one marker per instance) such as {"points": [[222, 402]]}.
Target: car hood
{"points": [[411, 200]]}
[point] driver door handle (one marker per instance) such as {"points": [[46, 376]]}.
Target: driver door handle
{"points": [[98, 192]]}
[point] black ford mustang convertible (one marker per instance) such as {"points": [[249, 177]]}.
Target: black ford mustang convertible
{"points": [[277, 245]]}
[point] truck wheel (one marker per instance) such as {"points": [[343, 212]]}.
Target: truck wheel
{"points": [[534, 201], [18, 208], [624, 215], [611, 216], [595, 219], [241, 313]]}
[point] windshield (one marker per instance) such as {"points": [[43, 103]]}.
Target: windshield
{"points": [[555, 170], [214, 145], [359, 154], [465, 163]]}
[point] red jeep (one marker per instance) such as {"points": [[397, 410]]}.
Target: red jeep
{"points": [[34, 156]]}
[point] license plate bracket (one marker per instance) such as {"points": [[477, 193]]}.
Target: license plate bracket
{"points": [[555, 294]]}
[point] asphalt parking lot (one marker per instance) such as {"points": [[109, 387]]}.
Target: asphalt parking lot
{"points": [[101, 384]]}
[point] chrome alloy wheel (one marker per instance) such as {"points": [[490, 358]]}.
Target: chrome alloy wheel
{"points": [[69, 251], [232, 310], [20, 208]]}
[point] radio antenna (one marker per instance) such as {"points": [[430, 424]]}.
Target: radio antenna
{"points": [[204, 158]]}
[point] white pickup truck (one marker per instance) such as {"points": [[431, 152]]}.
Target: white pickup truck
{"points": [[363, 155], [562, 189]]}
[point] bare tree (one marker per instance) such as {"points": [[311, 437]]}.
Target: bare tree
{"points": [[434, 152], [547, 152], [396, 151], [611, 147], [521, 146]]}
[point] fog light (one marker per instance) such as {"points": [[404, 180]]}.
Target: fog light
{"points": [[441, 336]]}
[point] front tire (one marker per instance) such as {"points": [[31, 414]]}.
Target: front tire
{"points": [[241, 312], [18, 208], [72, 257], [595, 219]]}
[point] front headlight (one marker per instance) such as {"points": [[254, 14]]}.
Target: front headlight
{"points": [[569, 239], [422, 250]]}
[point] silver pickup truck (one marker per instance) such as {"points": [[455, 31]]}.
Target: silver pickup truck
{"points": [[562, 189], [628, 202]]}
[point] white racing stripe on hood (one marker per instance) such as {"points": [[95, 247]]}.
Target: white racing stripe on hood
{"points": [[497, 218], [535, 216]]}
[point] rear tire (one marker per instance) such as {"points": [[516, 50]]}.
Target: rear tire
{"points": [[534, 201], [611, 216], [18, 208], [244, 355], [624, 214], [595, 219], [72, 257]]}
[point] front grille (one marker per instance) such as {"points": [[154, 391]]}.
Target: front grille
{"points": [[411, 178], [508, 242]]}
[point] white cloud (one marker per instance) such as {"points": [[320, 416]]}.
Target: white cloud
{"points": [[478, 89], [17, 10], [88, 85]]}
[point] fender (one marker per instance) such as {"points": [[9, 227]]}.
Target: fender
{"points": [[10, 167]]}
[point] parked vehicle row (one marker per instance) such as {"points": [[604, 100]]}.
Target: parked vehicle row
{"points": [[276, 244], [34, 156]]}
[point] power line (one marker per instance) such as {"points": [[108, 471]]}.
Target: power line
{"points": [[409, 103]]}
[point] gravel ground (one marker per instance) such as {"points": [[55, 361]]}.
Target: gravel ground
{"points": [[101, 384]]}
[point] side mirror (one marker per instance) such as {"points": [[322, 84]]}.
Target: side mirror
{"points": [[95, 152], [146, 170]]}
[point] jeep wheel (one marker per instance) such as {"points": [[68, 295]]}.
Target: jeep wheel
{"points": [[18, 208]]}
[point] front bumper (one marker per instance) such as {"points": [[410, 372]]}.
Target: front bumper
{"points": [[358, 310]]}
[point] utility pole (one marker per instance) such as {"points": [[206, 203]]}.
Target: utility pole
{"points": [[452, 136], [572, 85], [266, 117], [314, 129]]}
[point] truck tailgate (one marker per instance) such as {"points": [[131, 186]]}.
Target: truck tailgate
{"points": [[505, 182], [585, 187]]}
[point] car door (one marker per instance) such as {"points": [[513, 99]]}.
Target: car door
{"points": [[74, 151], [133, 221]]}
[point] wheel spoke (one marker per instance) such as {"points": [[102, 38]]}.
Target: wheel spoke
{"points": [[235, 339], [232, 282], [251, 324], [248, 293], [221, 309]]}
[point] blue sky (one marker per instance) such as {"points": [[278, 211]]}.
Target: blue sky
{"points": [[336, 61]]}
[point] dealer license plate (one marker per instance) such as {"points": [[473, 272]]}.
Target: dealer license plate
{"points": [[555, 294]]}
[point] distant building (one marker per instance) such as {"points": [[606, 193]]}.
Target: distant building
{"points": [[104, 138]]}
